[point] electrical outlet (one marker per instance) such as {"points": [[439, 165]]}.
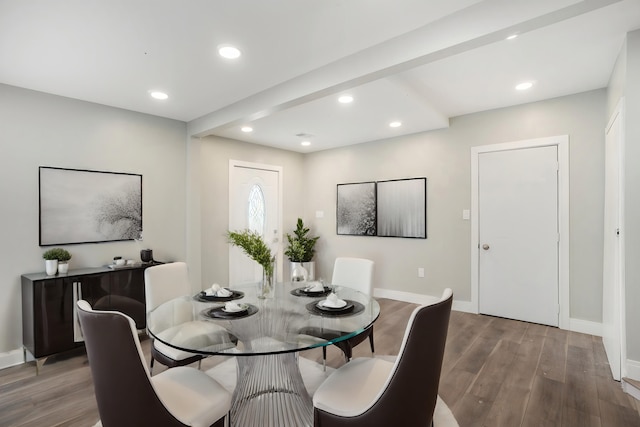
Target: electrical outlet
{"points": [[420, 272]]}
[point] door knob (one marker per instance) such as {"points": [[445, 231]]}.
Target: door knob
{"points": [[485, 247]]}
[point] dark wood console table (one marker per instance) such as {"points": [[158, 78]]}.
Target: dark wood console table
{"points": [[49, 323]]}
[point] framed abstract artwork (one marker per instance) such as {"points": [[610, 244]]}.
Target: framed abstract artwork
{"points": [[402, 208], [85, 206], [356, 209]]}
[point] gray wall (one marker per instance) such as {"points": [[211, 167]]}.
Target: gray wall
{"points": [[210, 171], [46, 130], [443, 156], [186, 191]]}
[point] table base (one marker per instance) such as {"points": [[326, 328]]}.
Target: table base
{"points": [[270, 393]]}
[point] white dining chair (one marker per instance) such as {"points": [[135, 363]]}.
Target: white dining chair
{"points": [[354, 273], [163, 283]]}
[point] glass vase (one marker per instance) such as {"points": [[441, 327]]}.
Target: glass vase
{"points": [[267, 287]]}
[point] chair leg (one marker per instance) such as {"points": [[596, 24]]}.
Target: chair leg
{"points": [[324, 358], [348, 354], [371, 343], [200, 364], [151, 366]]}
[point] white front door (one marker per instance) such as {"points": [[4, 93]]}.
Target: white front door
{"points": [[612, 283], [254, 203], [518, 234]]}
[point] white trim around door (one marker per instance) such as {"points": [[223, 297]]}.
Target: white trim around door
{"points": [[562, 143]]}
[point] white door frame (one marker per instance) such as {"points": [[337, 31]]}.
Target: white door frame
{"points": [[562, 143], [279, 169]]}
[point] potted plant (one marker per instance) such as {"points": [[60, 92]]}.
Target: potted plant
{"points": [[255, 247], [301, 251], [63, 261], [53, 257]]}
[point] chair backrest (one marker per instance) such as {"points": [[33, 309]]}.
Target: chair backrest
{"points": [[410, 393], [123, 389], [165, 282], [355, 273]]}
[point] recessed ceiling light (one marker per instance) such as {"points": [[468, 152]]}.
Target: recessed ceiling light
{"points": [[524, 86], [512, 36], [305, 143], [158, 95], [246, 129], [345, 99], [229, 52], [395, 124]]}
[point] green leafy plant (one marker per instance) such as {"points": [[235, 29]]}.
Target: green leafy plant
{"points": [[60, 254], [254, 246], [301, 246]]}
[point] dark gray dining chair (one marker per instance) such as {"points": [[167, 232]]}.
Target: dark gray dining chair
{"points": [[374, 392], [128, 396]]}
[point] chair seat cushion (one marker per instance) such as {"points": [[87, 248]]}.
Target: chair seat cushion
{"points": [[204, 335], [354, 387], [171, 352], [192, 396]]}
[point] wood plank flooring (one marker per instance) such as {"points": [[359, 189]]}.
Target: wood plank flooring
{"points": [[496, 372]]}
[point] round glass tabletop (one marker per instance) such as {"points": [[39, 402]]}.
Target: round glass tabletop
{"points": [[243, 324]]}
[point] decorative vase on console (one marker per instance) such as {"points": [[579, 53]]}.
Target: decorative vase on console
{"points": [[51, 266]]}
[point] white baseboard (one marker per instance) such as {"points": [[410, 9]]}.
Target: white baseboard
{"points": [[631, 389], [633, 370], [575, 325], [410, 297], [404, 296], [11, 358], [585, 327]]}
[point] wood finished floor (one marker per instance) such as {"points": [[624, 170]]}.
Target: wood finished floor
{"points": [[496, 372]]}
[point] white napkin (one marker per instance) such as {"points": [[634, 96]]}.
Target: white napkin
{"points": [[224, 292], [218, 291], [315, 287], [232, 307], [333, 301]]}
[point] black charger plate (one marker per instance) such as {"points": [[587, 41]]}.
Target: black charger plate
{"points": [[202, 297]]}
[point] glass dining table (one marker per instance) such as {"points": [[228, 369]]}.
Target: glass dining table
{"points": [[265, 335]]}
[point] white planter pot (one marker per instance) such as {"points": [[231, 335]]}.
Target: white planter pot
{"points": [[51, 266], [309, 266], [63, 267]]}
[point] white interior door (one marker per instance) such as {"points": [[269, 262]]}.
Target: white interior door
{"points": [[612, 295], [254, 203], [518, 234]]}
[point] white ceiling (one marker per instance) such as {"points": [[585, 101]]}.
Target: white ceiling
{"points": [[417, 61]]}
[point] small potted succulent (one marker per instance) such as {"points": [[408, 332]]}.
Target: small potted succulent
{"points": [[56, 259]]}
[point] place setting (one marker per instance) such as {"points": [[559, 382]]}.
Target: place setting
{"points": [[231, 310], [217, 293], [312, 289], [334, 306]]}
